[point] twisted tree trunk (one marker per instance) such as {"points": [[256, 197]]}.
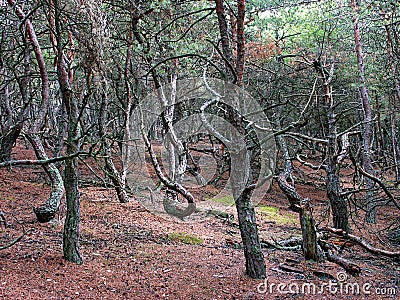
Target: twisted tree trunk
{"points": [[288, 189], [47, 211]]}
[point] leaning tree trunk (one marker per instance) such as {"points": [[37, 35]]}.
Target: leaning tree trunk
{"points": [[370, 216], [8, 140]]}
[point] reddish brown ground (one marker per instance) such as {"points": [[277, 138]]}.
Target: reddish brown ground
{"points": [[128, 255]]}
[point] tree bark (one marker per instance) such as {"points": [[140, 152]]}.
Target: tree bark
{"points": [[110, 169], [242, 188], [224, 33], [289, 190], [337, 201], [371, 212], [71, 180], [395, 101], [310, 247], [47, 211], [241, 5]]}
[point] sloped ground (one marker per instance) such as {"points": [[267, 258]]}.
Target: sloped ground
{"points": [[130, 253]]}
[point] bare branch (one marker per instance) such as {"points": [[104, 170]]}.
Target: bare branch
{"points": [[376, 180], [40, 162], [363, 243]]}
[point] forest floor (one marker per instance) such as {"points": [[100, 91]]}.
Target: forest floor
{"points": [[131, 253]]}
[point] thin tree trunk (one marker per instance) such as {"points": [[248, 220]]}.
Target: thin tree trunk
{"points": [[241, 5], [10, 129], [396, 99], [337, 201], [71, 180], [111, 170], [126, 147], [379, 134], [224, 33], [289, 190], [233, 23], [370, 216]]}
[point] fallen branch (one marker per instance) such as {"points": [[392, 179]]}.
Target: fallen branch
{"points": [[310, 165], [288, 268], [348, 265], [363, 243], [15, 241], [268, 244]]}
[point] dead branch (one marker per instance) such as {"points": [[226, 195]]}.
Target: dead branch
{"points": [[15, 241], [363, 243], [348, 265], [39, 162], [376, 180], [310, 165], [306, 137], [269, 244]]}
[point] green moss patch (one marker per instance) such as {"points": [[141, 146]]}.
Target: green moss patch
{"points": [[274, 214], [183, 237], [226, 200]]}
